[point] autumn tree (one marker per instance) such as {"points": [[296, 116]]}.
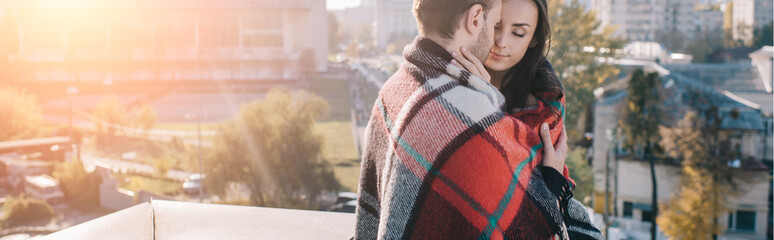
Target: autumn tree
{"points": [[110, 116], [706, 181], [580, 53], [145, 118], [334, 33], [114, 119], [581, 173], [272, 148], [640, 122], [21, 114], [80, 188]]}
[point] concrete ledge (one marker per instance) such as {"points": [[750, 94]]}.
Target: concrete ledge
{"points": [[183, 220]]}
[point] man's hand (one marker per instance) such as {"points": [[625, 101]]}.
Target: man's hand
{"points": [[469, 62], [553, 156]]}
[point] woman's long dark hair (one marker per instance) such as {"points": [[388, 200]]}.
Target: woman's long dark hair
{"points": [[533, 74]]}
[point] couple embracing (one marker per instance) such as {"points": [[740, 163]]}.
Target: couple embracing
{"points": [[466, 140]]}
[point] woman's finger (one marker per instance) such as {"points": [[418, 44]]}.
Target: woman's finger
{"points": [[561, 145], [545, 136], [472, 58], [454, 61], [466, 63], [477, 63]]}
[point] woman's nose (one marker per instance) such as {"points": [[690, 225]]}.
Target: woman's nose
{"points": [[499, 40]]}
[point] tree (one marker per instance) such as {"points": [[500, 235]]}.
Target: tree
{"points": [[576, 46], [162, 166], [763, 36], [146, 117], [80, 188], [271, 147], [672, 39], [21, 115], [22, 210], [703, 45], [111, 115], [334, 33], [581, 173], [706, 180], [639, 121]]}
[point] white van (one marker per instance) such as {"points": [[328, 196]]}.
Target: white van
{"points": [[43, 187]]}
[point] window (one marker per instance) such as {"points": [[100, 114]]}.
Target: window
{"points": [[741, 221], [627, 209]]}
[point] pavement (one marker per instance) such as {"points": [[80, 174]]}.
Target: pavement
{"points": [[90, 160]]}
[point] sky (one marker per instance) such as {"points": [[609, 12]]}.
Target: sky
{"points": [[341, 4]]}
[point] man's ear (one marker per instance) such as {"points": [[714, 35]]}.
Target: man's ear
{"points": [[474, 18]]}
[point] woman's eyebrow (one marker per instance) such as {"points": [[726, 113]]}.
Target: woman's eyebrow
{"points": [[520, 24]]}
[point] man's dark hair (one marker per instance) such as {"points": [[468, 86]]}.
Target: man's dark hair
{"points": [[441, 17]]}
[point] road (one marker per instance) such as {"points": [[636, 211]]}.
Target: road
{"points": [[90, 160]]}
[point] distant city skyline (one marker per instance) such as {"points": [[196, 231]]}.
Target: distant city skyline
{"points": [[341, 4]]}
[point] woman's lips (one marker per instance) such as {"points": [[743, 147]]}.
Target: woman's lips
{"points": [[497, 56]]}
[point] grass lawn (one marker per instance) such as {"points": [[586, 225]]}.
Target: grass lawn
{"points": [[348, 176], [336, 92], [339, 149], [156, 186], [186, 126]]}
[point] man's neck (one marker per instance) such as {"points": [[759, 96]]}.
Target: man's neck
{"points": [[448, 44]]}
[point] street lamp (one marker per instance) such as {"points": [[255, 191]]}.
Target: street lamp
{"points": [[199, 143], [70, 92]]}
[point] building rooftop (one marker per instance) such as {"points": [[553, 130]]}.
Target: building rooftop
{"points": [[182, 220], [731, 77], [12, 145], [748, 114], [42, 181]]}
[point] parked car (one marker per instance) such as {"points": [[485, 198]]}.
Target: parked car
{"points": [[345, 197], [348, 207], [345, 202], [43, 187], [193, 184]]}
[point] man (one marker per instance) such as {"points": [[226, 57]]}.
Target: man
{"points": [[442, 160]]}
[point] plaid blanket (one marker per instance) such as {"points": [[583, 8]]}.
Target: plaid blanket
{"points": [[550, 110], [443, 160]]}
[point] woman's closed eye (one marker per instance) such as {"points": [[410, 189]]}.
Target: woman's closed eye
{"points": [[518, 35]]}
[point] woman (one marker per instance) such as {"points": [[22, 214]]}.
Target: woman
{"points": [[517, 66]]}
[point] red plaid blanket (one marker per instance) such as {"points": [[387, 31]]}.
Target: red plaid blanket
{"points": [[543, 113], [444, 161]]}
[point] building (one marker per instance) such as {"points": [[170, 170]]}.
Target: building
{"points": [[762, 59], [708, 19], [355, 17], [119, 41], [656, 20], [744, 131], [748, 15], [394, 19], [357, 20]]}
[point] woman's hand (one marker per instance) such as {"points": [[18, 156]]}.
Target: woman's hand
{"points": [[553, 156], [469, 62]]}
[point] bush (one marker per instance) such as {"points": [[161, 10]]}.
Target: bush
{"points": [[21, 210], [80, 188]]}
